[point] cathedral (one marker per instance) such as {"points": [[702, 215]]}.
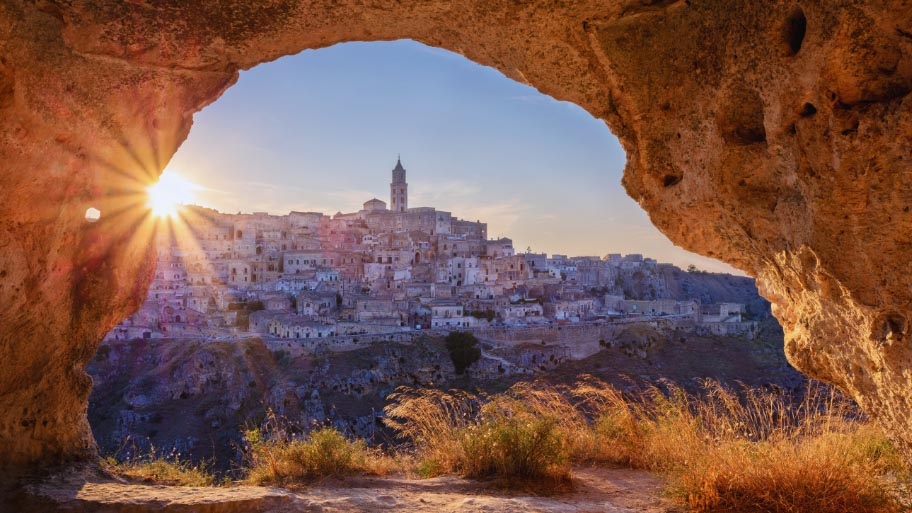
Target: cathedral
{"points": [[400, 218]]}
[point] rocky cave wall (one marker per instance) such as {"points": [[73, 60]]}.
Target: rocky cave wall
{"points": [[772, 135]]}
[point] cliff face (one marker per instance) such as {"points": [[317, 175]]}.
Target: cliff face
{"points": [[198, 397], [772, 135]]}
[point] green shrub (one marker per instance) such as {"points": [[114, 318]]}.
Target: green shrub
{"points": [[463, 349]]}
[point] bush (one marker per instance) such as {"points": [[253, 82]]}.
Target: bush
{"points": [[463, 349], [162, 470], [274, 457], [483, 314], [478, 436], [513, 447], [325, 453]]}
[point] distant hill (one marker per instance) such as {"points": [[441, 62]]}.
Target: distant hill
{"points": [[714, 288]]}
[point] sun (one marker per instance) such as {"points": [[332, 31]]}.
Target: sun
{"points": [[169, 194]]}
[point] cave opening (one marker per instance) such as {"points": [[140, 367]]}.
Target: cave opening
{"points": [[311, 136], [97, 97]]}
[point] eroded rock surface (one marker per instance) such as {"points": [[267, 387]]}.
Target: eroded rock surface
{"points": [[772, 135]]}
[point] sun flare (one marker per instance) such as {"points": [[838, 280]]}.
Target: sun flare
{"points": [[169, 194]]}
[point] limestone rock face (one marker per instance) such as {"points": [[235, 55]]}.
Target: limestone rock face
{"points": [[773, 135]]}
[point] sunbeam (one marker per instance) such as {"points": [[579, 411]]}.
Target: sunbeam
{"points": [[169, 194]]}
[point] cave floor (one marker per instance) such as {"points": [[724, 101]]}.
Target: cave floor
{"points": [[603, 490]]}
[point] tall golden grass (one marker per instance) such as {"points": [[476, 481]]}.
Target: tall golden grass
{"points": [[722, 450], [509, 436]]}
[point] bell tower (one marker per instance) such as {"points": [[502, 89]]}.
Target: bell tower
{"points": [[399, 189]]}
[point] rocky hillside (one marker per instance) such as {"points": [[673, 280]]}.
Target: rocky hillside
{"points": [[714, 288], [197, 397], [669, 281]]}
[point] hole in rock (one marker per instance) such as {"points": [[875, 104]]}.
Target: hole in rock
{"points": [[807, 110], [671, 180], [794, 30], [349, 206], [92, 214], [893, 328]]}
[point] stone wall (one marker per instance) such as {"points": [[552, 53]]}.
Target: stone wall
{"points": [[342, 343]]}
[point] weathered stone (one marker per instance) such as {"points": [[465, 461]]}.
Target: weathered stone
{"points": [[770, 135], [85, 489]]}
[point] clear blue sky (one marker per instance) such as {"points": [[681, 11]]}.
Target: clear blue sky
{"points": [[320, 131]]}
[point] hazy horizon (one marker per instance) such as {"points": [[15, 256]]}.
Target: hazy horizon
{"points": [[321, 131]]}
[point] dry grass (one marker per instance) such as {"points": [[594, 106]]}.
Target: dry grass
{"points": [[504, 436], [831, 472], [748, 451], [755, 450], [275, 457], [162, 470]]}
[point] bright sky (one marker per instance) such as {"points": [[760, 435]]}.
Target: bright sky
{"points": [[320, 131]]}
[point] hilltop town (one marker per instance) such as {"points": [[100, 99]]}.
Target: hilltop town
{"points": [[389, 269]]}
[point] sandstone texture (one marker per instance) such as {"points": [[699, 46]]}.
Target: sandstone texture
{"points": [[773, 135]]}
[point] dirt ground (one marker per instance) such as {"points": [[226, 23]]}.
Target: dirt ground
{"points": [[593, 490]]}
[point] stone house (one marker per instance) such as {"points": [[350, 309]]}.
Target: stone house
{"points": [[447, 314]]}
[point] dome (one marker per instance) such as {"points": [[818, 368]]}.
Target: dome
{"points": [[374, 204]]}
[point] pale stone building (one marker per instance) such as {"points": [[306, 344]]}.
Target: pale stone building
{"points": [[449, 314], [721, 312], [399, 189], [523, 311]]}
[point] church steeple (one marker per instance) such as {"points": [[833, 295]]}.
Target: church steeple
{"points": [[399, 188]]}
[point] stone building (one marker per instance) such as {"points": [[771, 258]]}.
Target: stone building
{"points": [[449, 314], [399, 189]]}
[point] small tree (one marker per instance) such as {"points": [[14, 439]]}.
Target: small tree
{"points": [[483, 314], [463, 349]]}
